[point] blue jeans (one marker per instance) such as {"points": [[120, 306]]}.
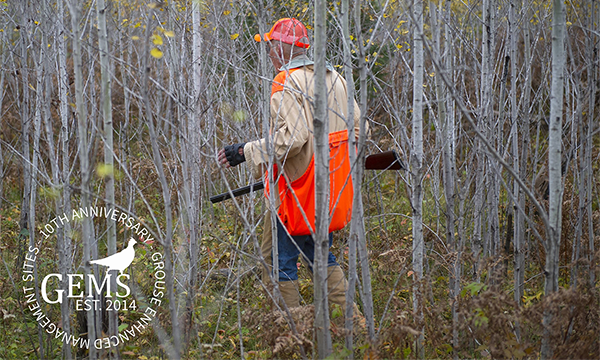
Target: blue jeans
{"points": [[290, 248]]}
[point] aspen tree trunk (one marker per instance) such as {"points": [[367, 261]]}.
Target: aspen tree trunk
{"points": [[417, 174], [435, 23], [589, 173], [24, 226], [92, 121], [64, 242], [35, 160], [450, 151], [125, 50], [578, 149], [554, 166], [519, 244], [265, 114], [439, 120], [2, 94], [166, 193], [514, 133], [357, 238], [485, 110], [82, 137], [446, 141], [449, 175], [363, 254], [111, 226], [356, 215], [191, 167], [495, 136], [446, 111], [321, 131]]}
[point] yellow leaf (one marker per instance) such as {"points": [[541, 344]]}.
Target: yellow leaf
{"points": [[169, 33], [104, 170], [156, 53], [135, 37], [234, 36], [157, 39], [239, 115], [153, 5], [226, 12]]}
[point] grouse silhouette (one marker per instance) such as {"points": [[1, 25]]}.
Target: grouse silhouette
{"points": [[119, 261]]}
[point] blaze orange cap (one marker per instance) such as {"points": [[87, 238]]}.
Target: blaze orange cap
{"points": [[287, 30]]}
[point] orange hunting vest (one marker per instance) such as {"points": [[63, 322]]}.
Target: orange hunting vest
{"points": [[297, 199]]}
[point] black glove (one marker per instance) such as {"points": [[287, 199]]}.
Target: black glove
{"points": [[232, 153]]}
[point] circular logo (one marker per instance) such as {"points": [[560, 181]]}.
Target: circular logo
{"points": [[107, 288]]}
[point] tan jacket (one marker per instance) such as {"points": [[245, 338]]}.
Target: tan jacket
{"points": [[292, 119]]}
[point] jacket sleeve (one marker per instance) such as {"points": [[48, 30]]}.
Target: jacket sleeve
{"points": [[291, 133]]}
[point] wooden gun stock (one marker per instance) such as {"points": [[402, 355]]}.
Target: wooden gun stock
{"points": [[387, 160]]}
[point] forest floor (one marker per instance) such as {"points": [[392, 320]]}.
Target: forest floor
{"points": [[231, 301]]}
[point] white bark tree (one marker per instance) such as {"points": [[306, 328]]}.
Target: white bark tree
{"points": [[321, 136], [591, 124], [417, 174], [64, 244], [354, 230], [158, 160], [554, 166], [84, 163], [363, 255], [106, 101]]}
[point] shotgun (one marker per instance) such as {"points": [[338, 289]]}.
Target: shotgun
{"points": [[387, 160]]}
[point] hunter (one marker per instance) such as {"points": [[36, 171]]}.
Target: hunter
{"points": [[291, 129]]}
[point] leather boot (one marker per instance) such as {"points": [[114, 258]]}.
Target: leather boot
{"points": [[337, 286], [289, 292]]}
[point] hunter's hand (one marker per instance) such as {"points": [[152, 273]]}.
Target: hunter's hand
{"points": [[232, 155]]}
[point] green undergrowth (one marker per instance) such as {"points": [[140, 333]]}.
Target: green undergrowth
{"points": [[230, 309]]}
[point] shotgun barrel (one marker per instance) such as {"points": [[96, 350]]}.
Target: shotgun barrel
{"points": [[237, 192], [387, 160]]}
